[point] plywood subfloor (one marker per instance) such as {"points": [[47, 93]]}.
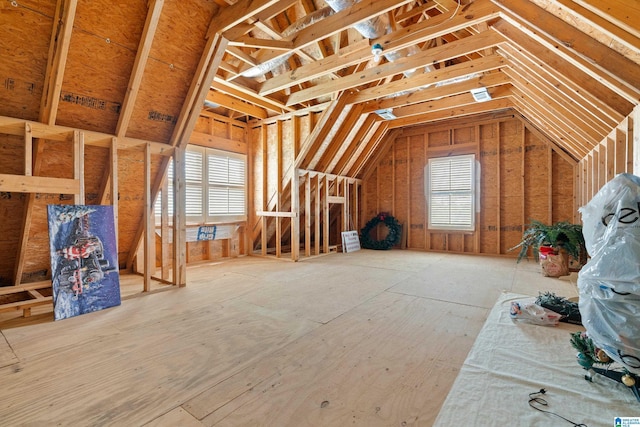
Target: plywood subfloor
{"points": [[369, 338]]}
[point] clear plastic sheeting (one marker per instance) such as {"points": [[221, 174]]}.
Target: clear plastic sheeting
{"points": [[533, 313], [609, 284]]}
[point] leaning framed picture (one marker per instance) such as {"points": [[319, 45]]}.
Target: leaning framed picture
{"points": [[84, 259]]}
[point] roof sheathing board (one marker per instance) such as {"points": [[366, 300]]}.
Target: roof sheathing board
{"points": [[23, 65], [101, 54], [173, 60]]}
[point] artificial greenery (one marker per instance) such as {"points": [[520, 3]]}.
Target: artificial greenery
{"points": [[569, 310], [591, 354], [392, 238], [559, 235]]}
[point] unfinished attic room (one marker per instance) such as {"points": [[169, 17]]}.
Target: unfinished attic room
{"points": [[319, 213]]}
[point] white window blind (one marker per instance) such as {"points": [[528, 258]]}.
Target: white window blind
{"points": [[227, 176], [214, 186], [451, 192], [193, 184]]}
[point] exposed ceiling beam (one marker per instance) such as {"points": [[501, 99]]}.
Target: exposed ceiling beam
{"points": [[148, 34], [333, 24], [565, 87], [547, 57], [58, 51], [256, 43], [236, 104], [614, 36], [394, 41], [435, 93], [439, 53], [246, 94], [456, 111], [237, 13], [601, 63], [449, 102], [425, 86]]}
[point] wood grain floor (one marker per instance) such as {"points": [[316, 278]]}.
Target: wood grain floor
{"points": [[371, 338]]}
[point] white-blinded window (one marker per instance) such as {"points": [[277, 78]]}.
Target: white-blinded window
{"points": [[193, 164], [214, 185], [226, 184], [451, 193]]}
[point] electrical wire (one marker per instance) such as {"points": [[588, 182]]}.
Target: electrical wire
{"points": [[537, 400]]}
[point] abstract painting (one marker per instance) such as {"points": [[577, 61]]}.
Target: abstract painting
{"points": [[84, 259]]}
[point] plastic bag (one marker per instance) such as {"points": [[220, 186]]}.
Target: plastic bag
{"points": [[609, 284], [533, 313]]}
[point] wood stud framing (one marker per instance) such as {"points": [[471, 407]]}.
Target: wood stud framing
{"points": [[565, 72]]}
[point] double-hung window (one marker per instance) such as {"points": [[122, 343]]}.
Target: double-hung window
{"points": [[451, 192], [215, 184], [226, 177]]}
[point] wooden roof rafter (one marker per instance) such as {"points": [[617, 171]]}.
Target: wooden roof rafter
{"points": [[424, 86], [148, 34], [372, 150], [403, 38], [457, 111], [551, 61], [616, 36], [562, 130], [439, 53], [557, 107], [333, 24], [336, 142], [601, 63], [56, 63], [565, 87], [552, 130], [584, 118]]}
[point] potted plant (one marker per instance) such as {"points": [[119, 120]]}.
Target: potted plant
{"points": [[561, 239]]}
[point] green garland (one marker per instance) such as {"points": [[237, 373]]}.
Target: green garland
{"points": [[588, 353], [393, 236]]}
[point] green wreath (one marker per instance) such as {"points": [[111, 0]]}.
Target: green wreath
{"points": [[393, 236]]}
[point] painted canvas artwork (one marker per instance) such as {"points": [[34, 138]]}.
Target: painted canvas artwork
{"points": [[84, 259]]}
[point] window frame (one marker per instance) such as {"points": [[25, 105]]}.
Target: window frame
{"points": [[204, 186], [472, 191]]}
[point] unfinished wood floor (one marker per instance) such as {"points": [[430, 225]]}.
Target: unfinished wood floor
{"points": [[371, 338]]}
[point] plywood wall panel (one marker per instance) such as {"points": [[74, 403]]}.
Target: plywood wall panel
{"points": [[464, 135], [102, 51], [272, 162], [370, 205], [288, 144], [385, 184], [489, 187], [401, 181], [238, 133], [562, 193], [439, 139], [513, 165], [417, 205], [175, 53], [204, 125], [23, 66], [537, 179], [511, 190], [11, 206], [159, 102]]}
